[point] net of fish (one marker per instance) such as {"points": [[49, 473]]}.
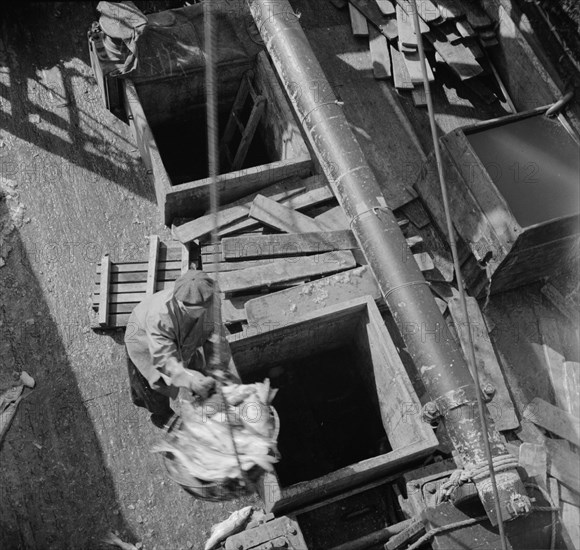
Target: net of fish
{"points": [[218, 449]]}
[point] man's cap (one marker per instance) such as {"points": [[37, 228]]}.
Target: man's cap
{"points": [[194, 288]]}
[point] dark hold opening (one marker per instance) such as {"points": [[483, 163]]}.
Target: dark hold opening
{"points": [[327, 419], [183, 146]]}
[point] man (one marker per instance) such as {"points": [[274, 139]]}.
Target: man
{"points": [[167, 341]]}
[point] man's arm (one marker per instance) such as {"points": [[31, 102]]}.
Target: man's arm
{"points": [[165, 357]]}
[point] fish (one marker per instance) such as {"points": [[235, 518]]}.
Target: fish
{"points": [[234, 524]]}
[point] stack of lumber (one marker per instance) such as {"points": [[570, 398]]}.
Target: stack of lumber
{"points": [[286, 251], [455, 33]]}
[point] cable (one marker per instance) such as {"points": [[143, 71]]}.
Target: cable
{"points": [[471, 359]]}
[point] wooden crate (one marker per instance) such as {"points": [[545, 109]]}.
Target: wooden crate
{"points": [[172, 138], [126, 284], [512, 196], [350, 329]]}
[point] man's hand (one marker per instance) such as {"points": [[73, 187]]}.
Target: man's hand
{"points": [[199, 384]]}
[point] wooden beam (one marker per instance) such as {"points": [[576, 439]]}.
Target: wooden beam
{"points": [[380, 56], [104, 290], [501, 407], [534, 459], [563, 464], [459, 58], [553, 419], [401, 77], [281, 217], [275, 246], [280, 308], [318, 194], [284, 271], [202, 226], [413, 64], [152, 264], [386, 7], [358, 22], [185, 259]]}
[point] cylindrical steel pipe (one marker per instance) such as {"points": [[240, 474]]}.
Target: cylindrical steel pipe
{"points": [[435, 352]]}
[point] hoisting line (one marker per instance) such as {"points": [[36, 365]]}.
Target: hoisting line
{"points": [[472, 361]]}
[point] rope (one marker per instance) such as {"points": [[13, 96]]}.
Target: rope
{"points": [[450, 231], [217, 355]]}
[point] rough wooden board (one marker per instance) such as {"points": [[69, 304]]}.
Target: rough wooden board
{"points": [[563, 464], [534, 459], [203, 225], [281, 217], [386, 7], [233, 310], [152, 264], [387, 26], [334, 218], [401, 76], [553, 419], [212, 267], [419, 96], [572, 375], [476, 15], [465, 29], [279, 272], [413, 64], [272, 246], [358, 22], [570, 517], [501, 408], [318, 194], [284, 306], [458, 57], [104, 284], [554, 295], [407, 37], [381, 58], [427, 10]]}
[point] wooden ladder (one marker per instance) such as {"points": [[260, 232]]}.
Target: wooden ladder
{"points": [[246, 130]]}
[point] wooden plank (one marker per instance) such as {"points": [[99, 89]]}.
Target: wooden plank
{"points": [[465, 29], [572, 382], [249, 131], [141, 276], [380, 56], [563, 464], [104, 296], [501, 407], [413, 64], [334, 218], [534, 459], [427, 10], [281, 217], [185, 259], [401, 77], [419, 95], [233, 309], [283, 307], [358, 22], [319, 194], [213, 267], [406, 28], [132, 267], [152, 264], [476, 15], [387, 26], [386, 7], [278, 272], [274, 246], [459, 58], [553, 419], [202, 226], [192, 198]]}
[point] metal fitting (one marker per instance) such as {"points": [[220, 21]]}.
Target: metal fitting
{"points": [[431, 412], [518, 505], [488, 391]]}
